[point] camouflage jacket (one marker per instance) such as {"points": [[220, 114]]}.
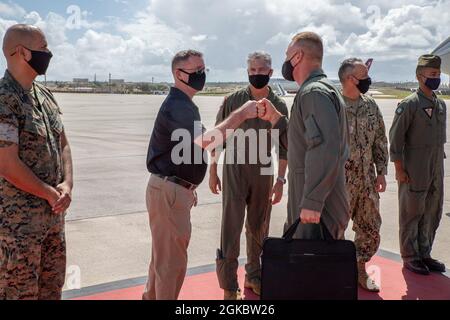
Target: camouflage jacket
{"points": [[31, 119], [368, 140]]}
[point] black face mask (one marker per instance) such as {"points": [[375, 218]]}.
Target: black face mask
{"points": [[39, 61], [196, 80], [288, 71], [433, 83], [259, 81], [364, 85]]}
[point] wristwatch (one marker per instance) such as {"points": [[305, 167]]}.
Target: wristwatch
{"points": [[282, 180]]}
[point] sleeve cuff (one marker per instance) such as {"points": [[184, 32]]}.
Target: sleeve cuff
{"points": [[9, 133], [311, 205], [282, 155], [382, 172], [281, 124]]}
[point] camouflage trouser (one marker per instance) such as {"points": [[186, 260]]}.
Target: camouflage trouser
{"points": [[32, 267], [365, 213]]}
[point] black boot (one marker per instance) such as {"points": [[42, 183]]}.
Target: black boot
{"points": [[434, 265], [417, 266]]}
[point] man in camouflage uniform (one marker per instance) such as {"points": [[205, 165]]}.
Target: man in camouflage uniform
{"points": [[35, 173], [367, 166], [417, 137], [245, 185]]}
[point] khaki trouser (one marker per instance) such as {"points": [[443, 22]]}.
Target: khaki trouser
{"points": [[169, 208]]}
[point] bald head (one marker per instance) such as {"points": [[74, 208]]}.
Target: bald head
{"points": [[28, 36]]}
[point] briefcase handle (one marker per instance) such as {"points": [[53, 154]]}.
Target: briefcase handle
{"points": [[289, 234]]}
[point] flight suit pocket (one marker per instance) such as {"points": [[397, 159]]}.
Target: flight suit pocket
{"points": [[313, 135], [417, 165], [298, 183], [416, 201], [442, 127]]}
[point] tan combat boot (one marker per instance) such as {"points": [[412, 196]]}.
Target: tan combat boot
{"points": [[364, 280], [232, 295], [254, 285]]}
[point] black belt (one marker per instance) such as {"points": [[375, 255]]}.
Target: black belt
{"points": [[179, 181]]}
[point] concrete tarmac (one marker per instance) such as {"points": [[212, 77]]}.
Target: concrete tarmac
{"points": [[108, 237]]}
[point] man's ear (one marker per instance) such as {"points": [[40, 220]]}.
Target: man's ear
{"points": [[271, 73], [178, 75], [16, 52], [22, 52], [418, 77], [298, 57]]}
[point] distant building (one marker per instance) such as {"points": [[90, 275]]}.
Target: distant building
{"points": [[117, 81], [80, 80]]}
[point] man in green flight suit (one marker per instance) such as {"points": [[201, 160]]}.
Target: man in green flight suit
{"points": [[317, 142], [417, 137], [246, 185]]}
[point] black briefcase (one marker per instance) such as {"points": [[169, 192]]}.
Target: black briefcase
{"points": [[294, 269]]}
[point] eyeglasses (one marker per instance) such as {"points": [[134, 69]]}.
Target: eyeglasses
{"points": [[198, 71], [360, 79]]}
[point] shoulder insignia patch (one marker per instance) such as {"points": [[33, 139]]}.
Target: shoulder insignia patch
{"points": [[400, 110]]}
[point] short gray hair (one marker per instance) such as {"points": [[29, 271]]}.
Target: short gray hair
{"points": [[347, 67], [183, 56], [260, 55]]}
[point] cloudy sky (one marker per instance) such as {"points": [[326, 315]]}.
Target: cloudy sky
{"points": [[135, 39]]}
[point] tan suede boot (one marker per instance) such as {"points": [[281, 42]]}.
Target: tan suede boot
{"points": [[254, 285], [232, 295], [364, 280]]}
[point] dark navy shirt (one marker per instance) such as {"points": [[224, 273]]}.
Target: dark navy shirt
{"points": [[182, 157]]}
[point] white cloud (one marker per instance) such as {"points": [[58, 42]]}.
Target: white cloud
{"points": [[138, 48], [11, 10]]}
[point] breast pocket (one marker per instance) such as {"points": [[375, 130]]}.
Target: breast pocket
{"points": [[34, 125], [54, 120]]}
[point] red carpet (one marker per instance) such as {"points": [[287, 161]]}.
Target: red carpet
{"points": [[396, 284]]}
